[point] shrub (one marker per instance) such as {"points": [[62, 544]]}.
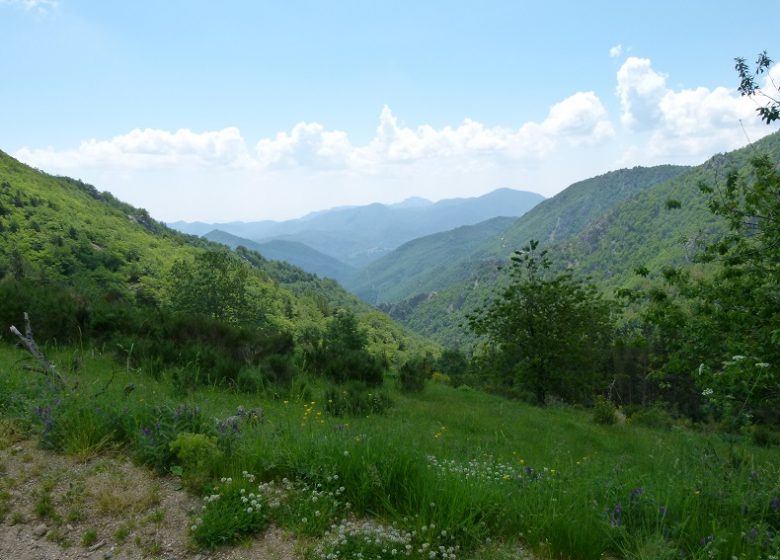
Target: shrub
{"points": [[341, 354], [160, 429], [232, 511], [413, 374], [653, 417], [197, 455], [355, 399], [604, 412]]}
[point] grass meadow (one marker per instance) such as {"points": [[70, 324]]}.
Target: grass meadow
{"points": [[446, 473]]}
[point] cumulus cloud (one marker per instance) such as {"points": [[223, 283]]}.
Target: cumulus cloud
{"points": [[640, 89], [145, 148], [580, 119], [307, 145], [616, 51], [686, 122]]}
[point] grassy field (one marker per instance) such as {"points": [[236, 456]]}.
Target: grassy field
{"points": [[447, 473]]}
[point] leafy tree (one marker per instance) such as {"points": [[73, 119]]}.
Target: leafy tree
{"points": [[721, 331], [341, 354], [214, 285], [546, 333], [748, 85]]}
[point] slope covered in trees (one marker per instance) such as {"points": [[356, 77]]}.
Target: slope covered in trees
{"points": [[87, 265], [293, 252]]}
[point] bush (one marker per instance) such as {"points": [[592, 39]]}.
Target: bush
{"points": [[161, 428], [604, 412], [233, 511], [197, 455], [414, 373], [341, 354], [655, 417], [355, 399]]}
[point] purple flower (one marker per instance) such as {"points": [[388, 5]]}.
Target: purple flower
{"points": [[614, 517], [775, 503], [663, 510], [636, 492], [707, 540], [753, 535]]}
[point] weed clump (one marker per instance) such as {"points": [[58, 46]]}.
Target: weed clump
{"points": [[604, 412]]}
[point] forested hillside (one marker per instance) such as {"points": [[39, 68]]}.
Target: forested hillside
{"points": [[85, 264], [603, 228]]}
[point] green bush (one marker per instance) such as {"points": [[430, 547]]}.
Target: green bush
{"points": [[355, 399], [197, 455], [655, 417], [160, 428], [604, 412], [233, 510], [414, 373]]}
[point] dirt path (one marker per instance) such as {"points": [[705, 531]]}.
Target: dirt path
{"points": [[53, 507]]}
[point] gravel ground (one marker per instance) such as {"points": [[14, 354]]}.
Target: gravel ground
{"points": [[53, 507]]}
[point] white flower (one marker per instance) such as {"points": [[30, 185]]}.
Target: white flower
{"points": [[707, 392]]}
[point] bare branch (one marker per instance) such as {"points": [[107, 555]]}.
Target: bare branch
{"points": [[29, 343]]}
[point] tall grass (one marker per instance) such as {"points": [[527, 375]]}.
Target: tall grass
{"points": [[472, 465]]}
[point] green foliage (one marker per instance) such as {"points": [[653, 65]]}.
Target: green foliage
{"points": [[454, 364], [604, 411], [656, 417], [160, 427], [718, 332], [341, 354], [215, 284], [233, 511], [414, 373], [197, 456], [547, 334], [88, 537], [355, 399], [748, 85]]}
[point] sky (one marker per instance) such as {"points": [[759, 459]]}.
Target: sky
{"points": [[248, 110]]}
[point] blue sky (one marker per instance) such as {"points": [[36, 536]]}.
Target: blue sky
{"points": [[247, 110]]}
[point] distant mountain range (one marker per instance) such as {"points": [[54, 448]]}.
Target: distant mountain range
{"points": [[359, 235], [295, 253], [602, 228]]}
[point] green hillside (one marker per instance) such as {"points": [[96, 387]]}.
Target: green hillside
{"points": [[293, 252], [437, 262], [103, 260], [622, 220], [422, 265]]}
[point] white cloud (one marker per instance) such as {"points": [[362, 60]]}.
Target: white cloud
{"points": [[307, 145], [41, 6], [146, 148], [686, 122], [616, 51], [640, 89], [579, 119]]}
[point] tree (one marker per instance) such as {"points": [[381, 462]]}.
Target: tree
{"points": [[341, 353], [214, 284], [546, 333], [722, 330], [748, 85]]}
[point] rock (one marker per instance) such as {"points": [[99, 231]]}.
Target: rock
{"points": [[40, 530]]}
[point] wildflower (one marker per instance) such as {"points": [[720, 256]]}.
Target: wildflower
{"points": [[775, 503], [707, 392], [614, 518]]}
